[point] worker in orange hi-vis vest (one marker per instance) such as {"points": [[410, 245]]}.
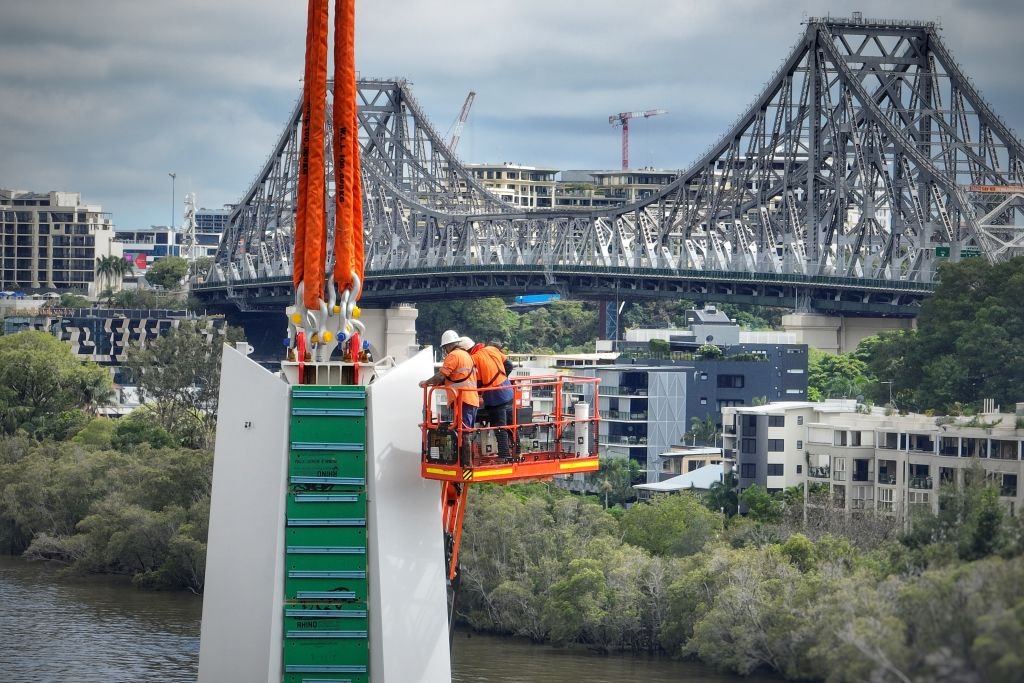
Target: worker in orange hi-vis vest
{"points": [[458, 375], [495, 389]]}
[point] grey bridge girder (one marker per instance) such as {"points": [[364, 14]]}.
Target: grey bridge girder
{"points": [[855, 162]]}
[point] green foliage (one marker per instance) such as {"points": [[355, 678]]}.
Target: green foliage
{"points": [[146, 298], [657, 346], [614, 480], [112, 269], [709, 352], [761, 506], [68, 300], [722, 496], [670, 525], [836, 375], [558, 326], [180, 374], [702, 432], [971, 521], [44, 388], [143, 514], [97, 433], [167, 272], [965, 345], [141, 426]]}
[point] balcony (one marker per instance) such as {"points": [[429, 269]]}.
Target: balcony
{"points": [[861, 504], [921, 482], [862, 475], [886, 478], [822, 472], [1008, 490], [623, 441]]}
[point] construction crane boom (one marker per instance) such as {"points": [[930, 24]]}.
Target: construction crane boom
{"points": [[463, 115], [622, 119]]}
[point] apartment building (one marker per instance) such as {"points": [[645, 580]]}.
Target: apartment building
{"points": [[530, 187], [872, 461], [536, 187], [51, 240]]}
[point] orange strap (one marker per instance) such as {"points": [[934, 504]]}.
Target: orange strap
{"points": [[315, 238], [348, 208], [299, 253]]}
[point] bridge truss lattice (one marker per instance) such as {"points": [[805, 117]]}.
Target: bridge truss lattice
{"points": [[868, 158]]}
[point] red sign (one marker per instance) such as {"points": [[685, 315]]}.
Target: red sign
{"points": [[140, 261]]}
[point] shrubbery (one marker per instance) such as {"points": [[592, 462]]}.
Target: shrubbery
{"points": [[848, 600]]}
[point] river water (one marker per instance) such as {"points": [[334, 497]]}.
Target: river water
{"points": [[101, 630]]}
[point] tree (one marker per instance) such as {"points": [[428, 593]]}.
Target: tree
{"points": [[722, 496], [41, 380], [68, 300], [966, 347], [180, 374], [761, 505], [833, 375], [702, 432], [112, 269], [614, 480], [168, 272], [670, 525]]}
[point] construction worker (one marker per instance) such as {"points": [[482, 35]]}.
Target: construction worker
{"points": [[458, 375], [492, 369]]}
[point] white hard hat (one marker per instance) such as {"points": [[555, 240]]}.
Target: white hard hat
{"points": [[466, 343], [450, 337]]}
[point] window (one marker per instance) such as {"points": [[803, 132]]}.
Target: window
{"points": [[799, 469], [748, 446], [799, 444], [776, 445], [799, 419], [775, 470], [885, 500], [730, 381], [748, 470], [776, 421], [839, 438]]}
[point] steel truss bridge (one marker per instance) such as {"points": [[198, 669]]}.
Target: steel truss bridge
{"points": [[868, 159]]}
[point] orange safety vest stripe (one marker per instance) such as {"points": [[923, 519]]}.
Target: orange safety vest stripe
{"points": [[460, 374]]}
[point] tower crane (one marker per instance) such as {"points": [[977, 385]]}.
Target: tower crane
{"points": [[463, 115], [622, 119]]}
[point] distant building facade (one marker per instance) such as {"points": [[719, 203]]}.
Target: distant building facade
{"points": [[869, 461], [536, 187], [51, 240], [145, 246]]}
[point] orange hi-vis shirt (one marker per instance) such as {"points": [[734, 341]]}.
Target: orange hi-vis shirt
{"points": [[460, 374]]}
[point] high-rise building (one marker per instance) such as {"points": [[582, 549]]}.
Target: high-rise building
{"points": [[51, 240]]}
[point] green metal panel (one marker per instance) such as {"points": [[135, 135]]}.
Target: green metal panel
{"points": [[325, 536], [328, 464], [326, 584], [312, 504]]}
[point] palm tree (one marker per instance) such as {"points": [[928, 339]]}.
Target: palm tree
{"points": [[110, 268]]}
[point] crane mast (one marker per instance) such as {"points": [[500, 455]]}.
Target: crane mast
{"points": [[622, 119], [463, 115]]}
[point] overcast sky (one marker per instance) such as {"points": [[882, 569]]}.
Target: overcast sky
{"points": [[106, 97]]}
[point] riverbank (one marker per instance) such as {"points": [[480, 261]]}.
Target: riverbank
{"points": [[103, 630]]}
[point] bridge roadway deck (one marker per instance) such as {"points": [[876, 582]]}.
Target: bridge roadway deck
{"points": [[848, 296]]}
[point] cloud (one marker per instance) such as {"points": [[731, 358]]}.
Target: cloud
{"points": [[107, 97]]}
